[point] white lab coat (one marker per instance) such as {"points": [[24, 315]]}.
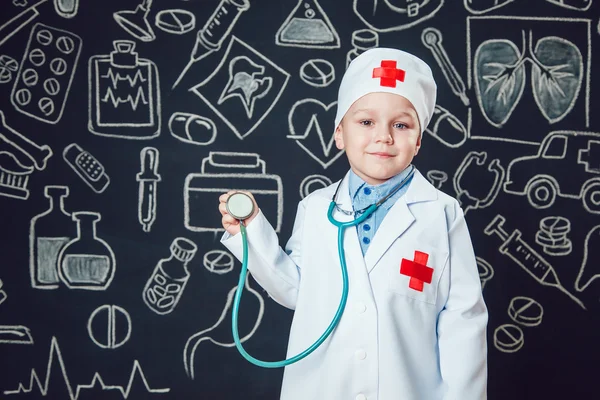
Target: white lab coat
{"points": [[392, 342]]}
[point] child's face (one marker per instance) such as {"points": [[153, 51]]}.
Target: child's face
{"points": [[381, 135]]}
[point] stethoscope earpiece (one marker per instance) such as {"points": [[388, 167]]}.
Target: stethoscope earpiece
{"points": [[240, 206]]}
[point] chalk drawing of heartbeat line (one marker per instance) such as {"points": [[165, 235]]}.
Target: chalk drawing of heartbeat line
{"points": [[96, 380], [115, 78], [116, 100]]}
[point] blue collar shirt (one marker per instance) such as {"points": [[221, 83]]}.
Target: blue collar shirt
{"points": [[363, 195]]}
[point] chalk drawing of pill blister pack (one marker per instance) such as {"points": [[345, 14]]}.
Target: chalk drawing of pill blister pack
{"points": [[46, 72], [124, 94], [244, 87], [225, 171], [395, 15], [540, 176], [558, 69]]}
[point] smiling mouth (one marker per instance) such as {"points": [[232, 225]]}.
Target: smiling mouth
{"points": [[382, 154]]}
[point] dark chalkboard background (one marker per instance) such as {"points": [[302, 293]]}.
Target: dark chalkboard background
{"points": [[542, 335]]}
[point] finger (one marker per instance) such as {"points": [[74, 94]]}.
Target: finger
{"points": [[229, 220]]}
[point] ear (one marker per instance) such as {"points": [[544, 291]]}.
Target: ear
{"points": [[418, 145], [339, 137]]}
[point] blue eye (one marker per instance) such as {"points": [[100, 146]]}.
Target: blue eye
{"points": [[400, 125]]}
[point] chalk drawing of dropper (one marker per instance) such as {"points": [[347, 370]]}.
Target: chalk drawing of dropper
{"points": [[526, 257], [148, 179]]}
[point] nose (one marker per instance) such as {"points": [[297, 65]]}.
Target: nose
{"points": [[383, 134]]}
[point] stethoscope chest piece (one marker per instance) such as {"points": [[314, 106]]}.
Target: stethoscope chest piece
{"points": [[240, 206]]}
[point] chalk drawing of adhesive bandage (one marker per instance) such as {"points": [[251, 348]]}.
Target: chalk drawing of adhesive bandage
{"points": [[222, 172], [19, 157], [137, 385], [124, 94], [46, 73], [304, 120], [560, 75], [482, 7], [541, 176], [244, 87], [220, 333], [526, 257], [395, 15], [468, 180], [307, 26]]}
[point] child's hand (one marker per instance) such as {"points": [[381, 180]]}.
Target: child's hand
{"points": [[232, 225]]}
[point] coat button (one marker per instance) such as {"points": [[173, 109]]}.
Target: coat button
{"points": [[361, 307], [361, 397], [360, 354]]}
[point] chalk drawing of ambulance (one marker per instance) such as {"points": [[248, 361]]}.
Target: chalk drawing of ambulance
{"points": [[567, 164]]}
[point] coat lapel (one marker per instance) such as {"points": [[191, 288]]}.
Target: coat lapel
{"points": [[398, 219]]}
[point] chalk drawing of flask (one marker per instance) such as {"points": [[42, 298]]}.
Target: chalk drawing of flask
{"points": [[164, 288], [124, 94], [87, 262], [48, 233]]}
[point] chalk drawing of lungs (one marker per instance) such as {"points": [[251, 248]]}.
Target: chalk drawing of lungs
{"points": [[556, 74], [304, 120], [508, 53], [395, 15], [244, 87], [124, 94]]}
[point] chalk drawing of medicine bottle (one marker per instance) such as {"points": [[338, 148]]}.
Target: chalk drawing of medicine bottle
{"points": [[166, 284], [48, 233], [87, 262], [124, 94]]}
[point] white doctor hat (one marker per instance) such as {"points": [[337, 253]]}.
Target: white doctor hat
{"points": [[389, 71]]}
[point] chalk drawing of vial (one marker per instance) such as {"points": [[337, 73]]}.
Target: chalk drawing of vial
{"points": [[165, 286], [87, 262], [48, 233], [124, 94]]}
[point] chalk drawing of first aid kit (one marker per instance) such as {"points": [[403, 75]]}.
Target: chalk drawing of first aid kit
{"points": [[225, 171]]}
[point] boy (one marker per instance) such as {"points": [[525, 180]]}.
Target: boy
{"points": [[414, 326]]}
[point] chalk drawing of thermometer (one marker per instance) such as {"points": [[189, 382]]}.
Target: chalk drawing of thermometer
{"points": [[432, 38], [526, 257]]}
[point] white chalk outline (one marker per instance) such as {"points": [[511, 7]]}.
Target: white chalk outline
{"points": [[189, 118], [163, 26], [439, 115], [25, 64], [26, 19], [494, 7], [191, 345], [235, 130], [308, 43], [73, 154], [519, 340], [111, 257], [324, 78], [561, 3], [3, 294], [584, 263], [146, 33], [313, 121], [488, 271], [213, 261], [311, 179], [394, 9], [22, 333], [516, 314], [33, 250], [55, 352], [208, 161], [94, 97], [552, 185], [552, 239], [511, 20], [494, 166], [148, 179], [59, 8], [112, 330]]}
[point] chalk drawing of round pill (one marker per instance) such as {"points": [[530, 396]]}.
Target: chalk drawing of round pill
{"points": [[525, 311], [218, 262], [109, 326], [508, 338], [317, 72]]}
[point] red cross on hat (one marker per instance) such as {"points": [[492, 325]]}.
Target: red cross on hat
{"points": [[388, 73]]}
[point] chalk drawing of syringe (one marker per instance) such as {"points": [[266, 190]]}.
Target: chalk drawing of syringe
{"points": [[526, 257]]}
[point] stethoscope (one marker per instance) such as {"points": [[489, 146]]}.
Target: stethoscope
{"points": [[240, 206]]}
